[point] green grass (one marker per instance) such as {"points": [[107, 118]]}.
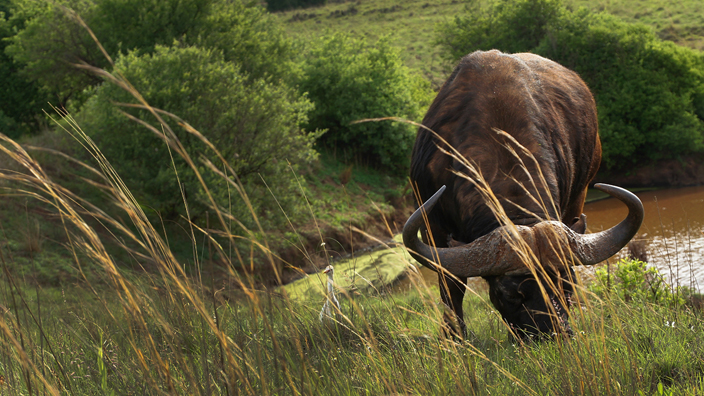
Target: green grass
{"points": [[411, 24], [35, 239], [681, 22], [168, 332], [80, 342]]}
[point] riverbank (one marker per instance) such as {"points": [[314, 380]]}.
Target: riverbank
{"points": [[682, 172]]}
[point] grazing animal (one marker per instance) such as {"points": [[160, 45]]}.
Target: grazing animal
{"points": [[529, 127], [331, 307]]}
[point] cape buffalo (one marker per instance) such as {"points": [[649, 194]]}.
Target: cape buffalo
{"points": [[528, 127]]}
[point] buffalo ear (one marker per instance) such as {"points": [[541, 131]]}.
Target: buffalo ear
{"points": [[579, 224]]}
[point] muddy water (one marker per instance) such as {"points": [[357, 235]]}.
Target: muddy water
{"points": [[672, 231]]}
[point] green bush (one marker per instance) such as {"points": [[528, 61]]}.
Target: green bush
{"points": [[254, 124], [508, 25], [634, 280], [649, 93], [249, 36], [349, 80], [48, 41], [47, 45], [21, 100], [126, 25]]}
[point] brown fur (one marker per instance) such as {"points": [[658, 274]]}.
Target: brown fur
{"points": [[547, 109]]}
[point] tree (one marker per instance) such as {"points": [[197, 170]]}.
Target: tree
{"points": [[48, 45], [649, 93], [50, 41], [349, 80], [255, 124], [506, 25], [249, 36], [21, 100]]}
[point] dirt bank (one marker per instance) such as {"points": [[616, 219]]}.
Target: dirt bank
{"points": [[310, 256], [688, 171]]}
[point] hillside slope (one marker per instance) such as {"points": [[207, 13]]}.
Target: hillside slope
{"points": [[411, 24]]}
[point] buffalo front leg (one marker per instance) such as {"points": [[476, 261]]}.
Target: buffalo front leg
{"points": [[452, 291]]}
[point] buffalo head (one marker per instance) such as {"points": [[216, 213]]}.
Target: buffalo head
{"points": [[514, 257]]}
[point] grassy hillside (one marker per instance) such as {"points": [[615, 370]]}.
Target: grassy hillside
{"points": [[411, 24], [681, 22]]}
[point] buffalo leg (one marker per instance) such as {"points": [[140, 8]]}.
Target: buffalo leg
{"points": [[452, 288], [452, 291]]}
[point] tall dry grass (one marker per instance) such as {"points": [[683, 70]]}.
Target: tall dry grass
{"points": [[167, 332]]}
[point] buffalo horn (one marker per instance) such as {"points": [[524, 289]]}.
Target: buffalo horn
{"points": [[592, 249], [492, 254]]}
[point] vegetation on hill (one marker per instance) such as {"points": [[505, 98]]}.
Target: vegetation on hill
{"points": [[279, 5], [348, 80], [234, 96], [649, 92], [255, 126], [679, 22], [629, 66], [411, 25]]}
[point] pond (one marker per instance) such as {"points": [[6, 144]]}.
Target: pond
{"points": [[672, 231]]}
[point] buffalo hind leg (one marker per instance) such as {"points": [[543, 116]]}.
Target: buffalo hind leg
{"points": [[452, 291]]}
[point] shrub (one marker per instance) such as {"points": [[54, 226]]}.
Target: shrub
{"points": [[249, 36], [508, 25], [21, 100], [649, 93], [254, 124], [349, 80], [634, 280], [49, 41]]}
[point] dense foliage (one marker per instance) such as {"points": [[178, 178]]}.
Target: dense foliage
{"points": [[21, 99], [508, 25], [349, 80], [253, 123], [48, 40], [225, 67], [649, 93], [281, 5], [48, 45]]}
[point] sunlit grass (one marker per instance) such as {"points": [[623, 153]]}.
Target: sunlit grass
{"points": [[109, 330]]}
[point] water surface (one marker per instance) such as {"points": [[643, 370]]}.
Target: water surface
{"points": [[672, 231]]}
